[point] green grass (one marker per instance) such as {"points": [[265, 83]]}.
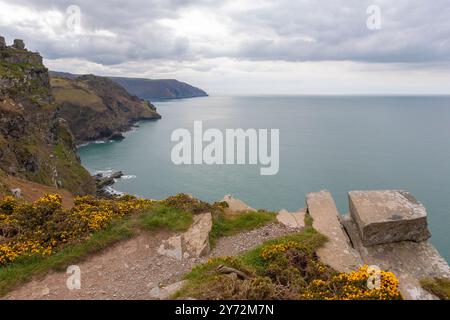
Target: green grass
{"points": [[24, 269], [438, 286], [163, 217], [227, 225]]}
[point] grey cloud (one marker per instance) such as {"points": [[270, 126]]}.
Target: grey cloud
{"points": [[412, 31]]}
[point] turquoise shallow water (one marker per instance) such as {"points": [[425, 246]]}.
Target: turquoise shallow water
{"points": [[336, 143]]}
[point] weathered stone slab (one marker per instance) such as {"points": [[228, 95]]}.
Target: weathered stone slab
{"points": [[294, 220], [385, 216], [196, 238], [337, 252], [409, 261], [236, 205]]}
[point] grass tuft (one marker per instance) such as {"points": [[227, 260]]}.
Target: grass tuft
{"points": [[438, 286], [228, 225], [163, 217]]}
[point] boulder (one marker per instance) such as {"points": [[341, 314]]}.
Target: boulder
{"points": [[294, 220], [386, 216], [236, 205], [193, 243], [18, 44], [117, 136], [196, 238], [2, 43]]}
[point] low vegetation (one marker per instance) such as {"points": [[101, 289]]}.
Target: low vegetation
{"points": [[438, 286], [227, 225], [284, 268], [41, 236]]}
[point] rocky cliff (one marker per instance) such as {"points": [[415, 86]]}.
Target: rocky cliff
{"points": [[98, 108], [35, 142], [160, 89], [150, 89]]}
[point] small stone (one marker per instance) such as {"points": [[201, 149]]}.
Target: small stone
{"points": [[17, 193], [45, 291]]}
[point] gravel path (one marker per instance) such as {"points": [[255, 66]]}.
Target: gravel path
{"points": [[130, 269]]}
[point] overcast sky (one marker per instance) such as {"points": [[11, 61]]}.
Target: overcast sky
{"points": [[245, 46]]}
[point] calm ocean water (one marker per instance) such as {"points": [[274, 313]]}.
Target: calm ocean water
{"points": [[334, 143]]}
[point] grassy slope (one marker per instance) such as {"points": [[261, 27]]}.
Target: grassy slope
{"points": [[160, 217]]}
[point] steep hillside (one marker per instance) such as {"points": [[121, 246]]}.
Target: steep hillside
{"points": [[98, 108], [160, 88], [35, 143], [150, 89]]}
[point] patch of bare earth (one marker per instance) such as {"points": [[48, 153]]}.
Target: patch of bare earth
{"points": [[131, 269]]}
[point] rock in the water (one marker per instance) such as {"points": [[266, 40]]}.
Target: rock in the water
{"points": [[172, 248], [19, 44], [196, 238], [166, 292], [386, 216], [236, 205], [117, 136], [295, 220]]}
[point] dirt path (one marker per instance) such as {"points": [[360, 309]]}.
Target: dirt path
{"points": [[131, 269]]}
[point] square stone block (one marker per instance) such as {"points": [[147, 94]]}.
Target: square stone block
{"points": [[386, 216]]}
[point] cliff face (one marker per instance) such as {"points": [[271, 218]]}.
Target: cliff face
{"points": [[97, 108], [160, 88], [35, 143], [149, 89]]}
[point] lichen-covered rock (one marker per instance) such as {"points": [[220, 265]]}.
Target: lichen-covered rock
{"points": [[385, 216]]}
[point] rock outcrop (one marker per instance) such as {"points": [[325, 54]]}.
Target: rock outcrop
{"points": [[385, 216], [193, 243], [97, 108], [236, 206], [149, 89], [397, 248], [35, 143], [293, 220], [337, 252]]}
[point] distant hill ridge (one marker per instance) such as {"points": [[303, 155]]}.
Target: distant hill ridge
{"points": [[150, 89]]}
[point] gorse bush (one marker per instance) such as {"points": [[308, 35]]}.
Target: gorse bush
{"points": [[285, 268], [43, 226]]}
